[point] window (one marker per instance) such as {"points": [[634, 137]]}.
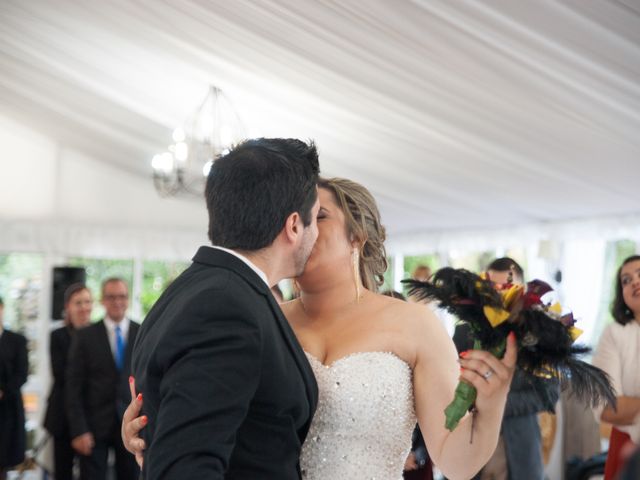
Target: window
{"points": [[156, 277], [388, 276], [99, 270], [431, 260], [20, 287]]}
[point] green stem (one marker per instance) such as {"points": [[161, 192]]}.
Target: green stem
{"points": [[465, 394]]}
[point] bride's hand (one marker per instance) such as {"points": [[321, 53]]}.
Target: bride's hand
{"points": [[132, 423], [490, 375]]}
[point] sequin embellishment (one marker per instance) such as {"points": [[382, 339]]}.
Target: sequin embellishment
{"points": [[364, 420]]}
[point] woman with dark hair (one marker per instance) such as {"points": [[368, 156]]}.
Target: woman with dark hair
{"points": [[618, 354], [77, 314]]}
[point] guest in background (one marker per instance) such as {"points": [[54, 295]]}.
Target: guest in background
{"points": [[77, 314], [618, 354], [97, 389], [519, 451], [631, 470], [14, 368], [422, 273]]}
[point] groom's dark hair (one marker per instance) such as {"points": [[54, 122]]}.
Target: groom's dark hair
{"points": [[253, 189]]}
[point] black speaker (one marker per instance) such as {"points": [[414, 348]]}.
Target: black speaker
{"points": [[63, 277]]}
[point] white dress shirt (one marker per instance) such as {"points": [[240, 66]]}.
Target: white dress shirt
{"points": [[251, 265], [618, 354], [111, 332]]}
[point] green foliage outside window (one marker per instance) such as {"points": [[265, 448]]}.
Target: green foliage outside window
{"points": [[388, 276], [20, 286], [156, 277], [20, 289], [411, 262]]}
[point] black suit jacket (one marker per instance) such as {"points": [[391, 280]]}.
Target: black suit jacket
{"points": [[227, 388], [55, 420], [14, 368], [96, 393]]}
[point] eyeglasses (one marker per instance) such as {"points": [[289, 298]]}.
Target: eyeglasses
{"points": [[111, 298]]}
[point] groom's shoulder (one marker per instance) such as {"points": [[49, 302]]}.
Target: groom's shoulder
{"points": [[209, 276], [210, 288]]}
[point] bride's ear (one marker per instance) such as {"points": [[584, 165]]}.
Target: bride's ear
{"points": [[356, 242]]}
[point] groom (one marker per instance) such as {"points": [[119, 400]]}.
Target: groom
{"points": [[227, 388]]}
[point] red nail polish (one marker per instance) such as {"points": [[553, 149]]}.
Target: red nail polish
{"points": [[139, 397], [512, 336], [130, 378], [465, 354], [144, 420]]}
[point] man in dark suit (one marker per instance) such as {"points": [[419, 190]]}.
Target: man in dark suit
{"points": [[227, 388], [14, 368], [98, 369]]}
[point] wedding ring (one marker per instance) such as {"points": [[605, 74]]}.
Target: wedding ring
{"points": [[487, 374]]}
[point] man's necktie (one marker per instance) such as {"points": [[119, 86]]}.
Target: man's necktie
{"points": [[119, 349]]}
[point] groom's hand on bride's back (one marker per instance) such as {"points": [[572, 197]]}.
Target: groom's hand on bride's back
{"points": [[132, 423]]}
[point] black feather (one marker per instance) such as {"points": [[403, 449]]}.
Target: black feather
{"points": [[588, 383], [463, 294]]}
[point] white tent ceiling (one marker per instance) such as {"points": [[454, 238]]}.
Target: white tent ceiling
{"points": [[455, 114]]}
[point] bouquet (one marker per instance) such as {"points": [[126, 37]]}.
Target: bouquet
{"points": [[545, 337]]}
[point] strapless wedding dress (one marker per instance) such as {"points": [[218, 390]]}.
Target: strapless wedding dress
{"points": [[364, 420]]}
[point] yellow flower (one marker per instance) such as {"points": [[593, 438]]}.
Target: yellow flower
{"points": [[556, 308], [545, 372], [511, 295], [575, 333], [495, 315]]}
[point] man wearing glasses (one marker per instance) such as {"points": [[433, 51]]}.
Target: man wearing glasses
{"points": [[98, 369]]}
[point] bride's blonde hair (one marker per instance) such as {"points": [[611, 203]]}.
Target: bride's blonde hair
{"points": [[362, 219]]}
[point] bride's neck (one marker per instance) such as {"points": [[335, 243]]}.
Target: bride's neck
{"points": [[331, 300]]}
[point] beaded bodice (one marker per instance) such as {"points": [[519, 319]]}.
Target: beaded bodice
{"points": [[364, 420]]}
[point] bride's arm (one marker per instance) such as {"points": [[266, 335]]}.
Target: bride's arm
{"points": [[436, 374]]}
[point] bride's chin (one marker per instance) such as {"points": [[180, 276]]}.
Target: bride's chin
{"points": [[308, 276], [304, 277]]}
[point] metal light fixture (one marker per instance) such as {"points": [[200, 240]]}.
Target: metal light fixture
{"points": [[206, 135]]}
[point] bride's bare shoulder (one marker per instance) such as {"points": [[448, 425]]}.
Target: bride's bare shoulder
{"points": [[413, 315]]}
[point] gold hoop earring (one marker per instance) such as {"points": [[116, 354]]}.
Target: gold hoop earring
{"points": [[355, 256]]}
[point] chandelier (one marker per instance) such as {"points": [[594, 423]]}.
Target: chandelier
{"points": [[209, 132]]}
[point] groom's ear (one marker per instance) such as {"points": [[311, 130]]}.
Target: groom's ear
{"points": [[293, 227]]}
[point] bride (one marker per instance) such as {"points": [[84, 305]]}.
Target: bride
{"points": [[380, 363]]}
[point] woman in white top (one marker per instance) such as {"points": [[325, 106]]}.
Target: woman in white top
{"points": [[380, 363], [618, 354]]}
